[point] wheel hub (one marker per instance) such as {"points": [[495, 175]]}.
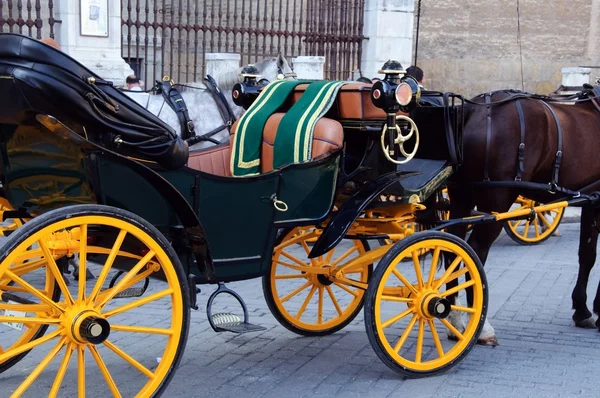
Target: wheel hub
{"points": [[86, 326], [434, 306]]}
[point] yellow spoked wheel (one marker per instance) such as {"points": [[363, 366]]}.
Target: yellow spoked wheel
{"points": [[408, 308], [10, 294], [93, 330], [532, 232], [302, 293]]}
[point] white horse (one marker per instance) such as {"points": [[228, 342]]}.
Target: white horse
{"points": [[200, 103]]}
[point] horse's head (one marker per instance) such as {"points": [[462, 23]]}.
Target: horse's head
{"points": [[275, 68]]}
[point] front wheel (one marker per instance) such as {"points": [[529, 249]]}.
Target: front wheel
{"points": [[111, 335], [421, 296]]}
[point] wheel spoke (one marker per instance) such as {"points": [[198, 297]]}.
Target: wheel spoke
{"points": [[457, 288], [396, 318], [329, 256], [81, 371], [404, 281], [82, 263], [129, 359], [104, 370], [436, 338], [108, 265], [28, 267], [295, 292], [406, 333], [33, 290], [320, 306], [545, 220], [303, 267], [35, 308], [140, 329], [396, 298], [29, 346], [60, 375], [334, 300], [58, 277], [419, 352], [449, 270], [526, 230], [463, 309], [39, 369], [536, 227], [457, 274], [434, 261], [305, 303], [294, 276], [452, 329], [23, 319], [138, 303], [417, 265], [128, 276], [346, 289], [344, 256], [294, 259]]}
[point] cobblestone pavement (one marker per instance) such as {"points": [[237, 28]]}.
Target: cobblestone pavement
{"points": [[541, 354]]}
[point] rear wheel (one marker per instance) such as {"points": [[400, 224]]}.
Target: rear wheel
{"points": [[404, 298], [537, 230], [301, 294], [96, 322]]}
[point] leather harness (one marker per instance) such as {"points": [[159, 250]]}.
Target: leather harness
{"points": [[517, 96], [173, 97]]}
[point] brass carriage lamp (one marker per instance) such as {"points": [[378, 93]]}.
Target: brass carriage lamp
{"points": [[396, 92], [246, 92]]}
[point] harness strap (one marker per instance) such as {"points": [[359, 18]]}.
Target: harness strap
{"points": [[558, 158], [521, 167], [222, 104], [488, 136], [173, 97]]}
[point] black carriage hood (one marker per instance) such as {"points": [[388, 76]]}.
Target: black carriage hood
{"points": [[37, 78]]}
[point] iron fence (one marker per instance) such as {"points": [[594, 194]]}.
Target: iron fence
{"points": [[172, 37], [33, 18]]}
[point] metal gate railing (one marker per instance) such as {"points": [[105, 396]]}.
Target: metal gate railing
{"points": [[164, 37], [34, 18]]}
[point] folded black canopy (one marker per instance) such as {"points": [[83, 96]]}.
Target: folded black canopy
{"points": [[37, 78]]}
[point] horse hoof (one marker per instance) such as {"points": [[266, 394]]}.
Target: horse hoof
{"points": [[490, 340], [588, 323], [556, 233]]}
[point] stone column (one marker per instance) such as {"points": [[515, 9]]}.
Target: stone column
{"points": [[593, 51], [575, 77], [102, 55], [389, 31], [219, 63], [309, 68]]}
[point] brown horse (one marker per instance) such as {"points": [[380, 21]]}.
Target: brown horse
{"points": [[500, 128]]}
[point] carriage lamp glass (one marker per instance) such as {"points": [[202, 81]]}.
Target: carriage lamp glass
{"points": [[404, 94]]}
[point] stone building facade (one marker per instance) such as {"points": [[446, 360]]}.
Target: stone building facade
{"points": [[471, 47]]}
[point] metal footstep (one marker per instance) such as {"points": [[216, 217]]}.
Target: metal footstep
{"points": [[130, 292], [227, 322]]}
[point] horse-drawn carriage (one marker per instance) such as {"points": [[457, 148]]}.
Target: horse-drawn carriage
{"points": [[105, 182], [314, 172]]}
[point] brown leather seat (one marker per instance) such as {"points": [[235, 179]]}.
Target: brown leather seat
{"points": [[327, 136], [353, 102]]}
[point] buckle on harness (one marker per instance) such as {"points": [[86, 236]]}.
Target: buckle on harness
{"points": [[190, 126]]}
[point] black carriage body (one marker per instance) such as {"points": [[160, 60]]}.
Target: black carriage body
{"points": [[223, 228]]}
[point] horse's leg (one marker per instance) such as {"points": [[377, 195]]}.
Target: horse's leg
{"points": [[588, 239], [481, 240]]}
